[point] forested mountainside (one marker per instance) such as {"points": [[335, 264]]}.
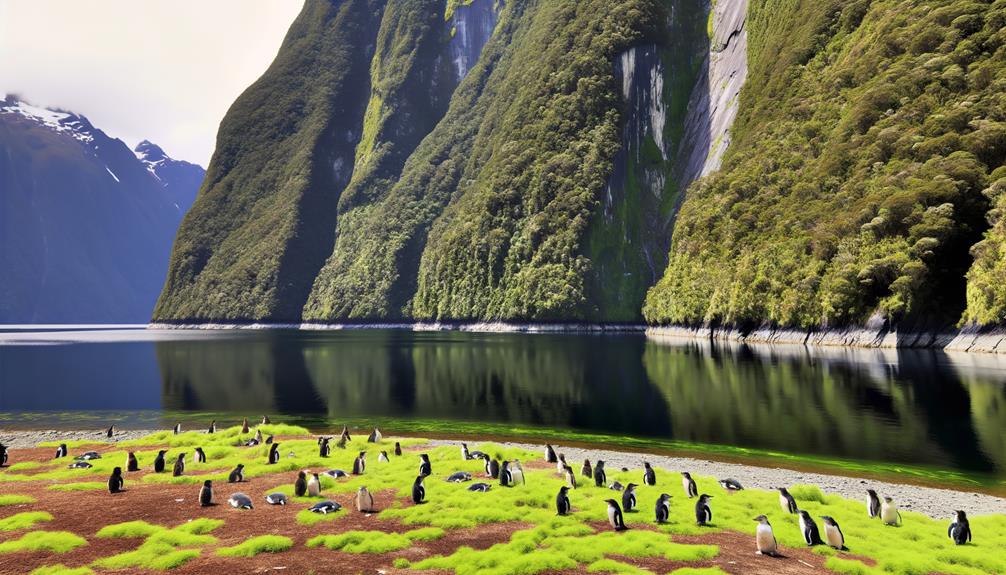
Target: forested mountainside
{"points": [[86, 224], [866, 181], [460, 160]]}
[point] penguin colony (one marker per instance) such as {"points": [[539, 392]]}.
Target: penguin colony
{"points": [[510, 474]]}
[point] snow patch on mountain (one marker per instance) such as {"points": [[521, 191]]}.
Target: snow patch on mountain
{"points": [[64, 122]]}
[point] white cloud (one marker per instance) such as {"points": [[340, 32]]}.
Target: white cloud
{"points": [[164, 70]]}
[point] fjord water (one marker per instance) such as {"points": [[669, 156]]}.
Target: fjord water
{"points": [[916, 407]]}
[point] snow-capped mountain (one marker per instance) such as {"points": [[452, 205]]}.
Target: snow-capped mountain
{"points": [[86, 224]]}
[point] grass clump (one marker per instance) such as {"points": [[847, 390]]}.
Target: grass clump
{"points": [[698, 571], [16, 500], [81, 486], [49, 541], [162, 548], [615, 567], [200, 526], [255, 545], [159, 556], [425, 534], [129, 529], [362, 542], [808, 493], [307, 517], [24, 520], [61, 569]]}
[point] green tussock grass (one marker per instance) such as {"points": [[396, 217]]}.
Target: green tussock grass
{"points": [[362, 542], [129, 529], [24, 520], [256, 545], [162, 548], [49, 541], [61, 569], [425, 534], [24, 465], [306, 517], [81, 486], [158, 556], [200, 526], [615, 567], [698, 571], [16, 500]]}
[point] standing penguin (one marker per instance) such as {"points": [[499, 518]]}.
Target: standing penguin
{"points": [[383, 457], [600, 479], [3, 455], [60, 451], [649, 475], [662, 509], [560, 464], [517, 472], [703, 513], [492, 467], [237, 475], [786, 501], [833, 533], [341, 444], [274, 454], [159, 462], [375, 436], [808, 528], [398, 448], [764, 538], [258, 436], [465, 454], [506, 478], [562, 505], [110, 432], [960, 529], [586, 470], [179, 468], [418, 491], [177, 429], [345, 433], [629, 498], [115, 482], [314, 486], [323, 448], [131, 463], [200, 456], [269, 440], [206, 494], [244, 425], [213, 427], [360, 463], [615, 515], [300, 485], [889, 513], [425, 468], [689, 484], [872, 503], [364, 501], [550, 455], [265, 420], [570, 477]]}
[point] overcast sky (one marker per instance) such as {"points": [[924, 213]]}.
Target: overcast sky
{"points": [[161, 70]]}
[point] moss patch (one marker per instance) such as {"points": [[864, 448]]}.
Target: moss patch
{"points": [[24, 520], [49, 541], [255, 545]]}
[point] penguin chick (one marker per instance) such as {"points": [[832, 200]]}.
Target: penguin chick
{"points": [[206, 494], [364, 501], [833, 533], [179, 468], [425, 467], [418, 490], [131, 463], [662, 510], [615, 515], [314, 485], [889, 512], [703, 513], [649, 475], [629, 498], [159, 462], [237, 475], [586, 470], [764, 538], [300, 485], [115, 482], [731, 484], [872, 503], [786, 501], [550, 454], [689, 484], [600, 478], [562, 501]]}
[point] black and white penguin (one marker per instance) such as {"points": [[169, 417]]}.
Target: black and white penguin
{"points": [[550, 456], [360, 463], [600, 479], [244, 425], [265, 420], [341, 444], [765, 538], [240, 501], [238, 475], [323, 447], [177, 429], [269, 440], [662, 509], [731, 484], [88, 456], [570, 477], [465, 454], [345, 433], [79, 465], [3, 455], [418, 490], [398, 448], [586, 470], [889, 512], [274, 454], [506, 478], [629, 498], [517, 472], [872, 503], [786, 501], [325, 507], [483, 487], [492, 467], [833, 533], [115, 482], [459, 477], [200, 456], [213, 427], [206, 494], [561, 465], [691, 490], [615, 515], [159, 462], [258, 436], [335, 473], [562, 501], [615, 486], [960, 529], [364, 501], [375, 436], [703, 513], [649, 475], [383, 457], [131, 463], [811, 536], [314, 485], [110, 432], [300, 485], [276, 499], [179, 468], [60, 451], [425, 468]]}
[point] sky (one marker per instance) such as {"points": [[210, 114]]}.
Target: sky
{"points": [[158, 70]]}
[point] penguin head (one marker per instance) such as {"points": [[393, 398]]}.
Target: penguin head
{"points": [[888, 500], [872, 493], [301, 474], [665, 496], [161, 453], [703, 498], [611, 502], [783, 490], [600, 463], [804, 515], [586, 462], [425, 458], [827, 520], [208, 483], [646, 464], [563, 490], [363, 454], [630, 487], [686, 475], [181, 456], [361, 490], [960, 516], [760, 519], [117, 471], [241, 466]]}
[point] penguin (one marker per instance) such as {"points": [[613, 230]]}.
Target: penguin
{"points": [[517, 472], [238, 475], [560, 464], [550, 456], [60, 451], [251, 442], [872, 503], [689, 484], [240, 501], [325, 507], [115, 482], [425, 468], [258, 436], [586, 470], [300, 485], [833, 533], [703, 513], [570, 477], [360, 463], [616, 486], [483, 487], [269, 440], [276, 499], [3, 455], [383, 457], [418, 491], [506, 478], [811, 536], [341, 444], [562, 501], [335, 473], [465, 454], [88, 456], [960, 529], [274, 454], [786, 501], [79, 465], [200, 456], [110, 432], [159, 462], [375, 436], [213, 427], [492, 467], [314, 485], [731, 484], [649, 475], [662, 509], [179, 468], [459, 477], [345, 434], [615, 515], [889, 513], [764, 538], [364, 501], [131, 463], [206, 494], [177, 429], [323, 448], [244, 425], [398, 448], [600, 479], [265, 420], [629, 498]]}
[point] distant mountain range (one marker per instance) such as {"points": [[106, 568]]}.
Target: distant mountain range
{"points": [[86, 224]]}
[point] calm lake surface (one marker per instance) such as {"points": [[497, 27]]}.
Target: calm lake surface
{"points": [[903, 406]]}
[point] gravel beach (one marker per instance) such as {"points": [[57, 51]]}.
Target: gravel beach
{"points": [[20, 439]]}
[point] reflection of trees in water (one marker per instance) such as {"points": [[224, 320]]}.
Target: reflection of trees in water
{"points": [[233, 375], [988, 410]]}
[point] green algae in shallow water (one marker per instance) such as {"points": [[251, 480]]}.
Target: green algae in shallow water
{"points": [[48, 541], [255, 545], [61, 569], [24, 520]]}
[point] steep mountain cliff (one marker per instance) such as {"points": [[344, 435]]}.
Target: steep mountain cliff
{"points": [[85, 225]]}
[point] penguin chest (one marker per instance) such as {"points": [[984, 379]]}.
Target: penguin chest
{"points": [[889, 514], [313, 488], [784, 503], [765, 539], [833, 536], [613, 516]]}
